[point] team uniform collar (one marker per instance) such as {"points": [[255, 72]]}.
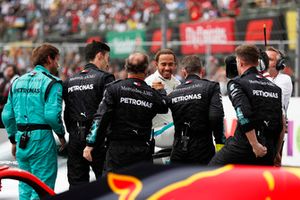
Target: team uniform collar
{"points": [[157, 74], [41, 68], [251, 70], [136, 81], [192, 77], [91, 66]]}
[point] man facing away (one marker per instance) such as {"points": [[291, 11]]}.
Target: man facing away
{"points": [[257, 102], [127, 108], [32, 111], [83, 93], [198, 114]]}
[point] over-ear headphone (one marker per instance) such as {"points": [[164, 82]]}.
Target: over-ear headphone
{"points": [[280, 62], [263, 61]]}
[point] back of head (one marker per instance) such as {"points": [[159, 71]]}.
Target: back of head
{"points": [[162, 52], [93, 48], [248, 53], [40, 54], [192, 64], [137, 63]]}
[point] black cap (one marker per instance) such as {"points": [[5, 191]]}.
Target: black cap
{"points": [[231, 67]]}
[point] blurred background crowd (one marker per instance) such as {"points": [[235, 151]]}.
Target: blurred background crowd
{"points": [[21, 19], [26, 22]]}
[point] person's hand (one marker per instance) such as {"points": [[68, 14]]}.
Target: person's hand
{"points": [[63, 144], [157, 85], [259, 150], [87, 153], [13, 150], [277, 160]]}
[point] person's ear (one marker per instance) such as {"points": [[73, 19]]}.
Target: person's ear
{"points": [[99, 55], [49, 60], [184, 72], [241, 63], [156, 64], [201, 72]]}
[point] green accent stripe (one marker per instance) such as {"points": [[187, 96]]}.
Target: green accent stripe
{"points": [[240, 115], [91, 137], [163, 129]]}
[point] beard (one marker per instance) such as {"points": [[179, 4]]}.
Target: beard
{"points": [[54, 71]]}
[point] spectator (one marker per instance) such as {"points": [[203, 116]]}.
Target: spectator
{"points": [[9, 75]]}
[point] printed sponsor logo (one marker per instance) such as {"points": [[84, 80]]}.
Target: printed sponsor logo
{"points": [[27, 90], [265, 94], [136, 102], [186, 98], [255, 183], [80, 87], [127, 187]]}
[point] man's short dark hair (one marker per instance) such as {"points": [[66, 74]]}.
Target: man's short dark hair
{"points": [[192, 64], [40, 54], [93, 48], [163, 52], [137, 63], [249, 53]]}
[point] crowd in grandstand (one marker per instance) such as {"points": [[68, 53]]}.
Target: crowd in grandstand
{"points": [[21, 20]]}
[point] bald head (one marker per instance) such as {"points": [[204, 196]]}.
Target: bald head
{"points": [[137, 63]]}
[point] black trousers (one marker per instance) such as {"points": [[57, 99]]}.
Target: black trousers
{"points": [[199, 151], [79, 167], [240, 152], [121, 155]]}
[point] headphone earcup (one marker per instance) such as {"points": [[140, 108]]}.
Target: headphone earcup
{"points": [[263, 61], [280, 64]]}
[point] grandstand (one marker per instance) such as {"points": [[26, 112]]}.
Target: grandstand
{"points": [[211, 29]]}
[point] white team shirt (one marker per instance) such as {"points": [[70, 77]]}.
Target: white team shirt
{"points": [[283, 81], [162, 122]]}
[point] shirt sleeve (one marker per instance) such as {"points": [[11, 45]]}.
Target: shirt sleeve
{"points": [[287, 89], [161, 101], [241, 105], [101, 118], [53, 109], [9, 120], [109, 79], [66, 115], [216, 115]]}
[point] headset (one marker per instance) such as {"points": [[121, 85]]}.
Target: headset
{"points": [[280, 64], [263, 61]]}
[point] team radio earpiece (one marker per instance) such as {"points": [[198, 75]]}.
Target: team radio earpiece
{"points": [[280, 62]]}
